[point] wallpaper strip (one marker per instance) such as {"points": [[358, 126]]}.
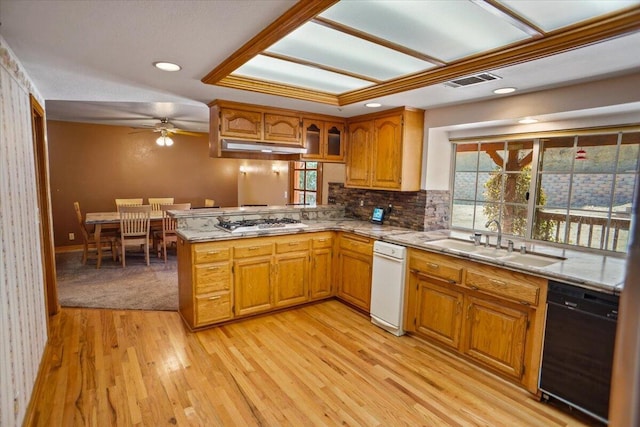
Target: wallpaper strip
{"points": [[22, 310]]}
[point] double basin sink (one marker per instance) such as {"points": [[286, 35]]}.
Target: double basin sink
{"points": [[502, 255]]}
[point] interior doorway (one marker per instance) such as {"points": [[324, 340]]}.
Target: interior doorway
{"points": [[47, 247]]}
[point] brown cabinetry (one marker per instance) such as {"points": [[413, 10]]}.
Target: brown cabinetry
{"points": [[495, 335], [355, 260], [204, 279], [385, 150], [291, 284], [488, 314], [324, 140], [220, 281], [253, 281], [321, 274]]}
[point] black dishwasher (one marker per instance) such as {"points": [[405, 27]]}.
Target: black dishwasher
{"points": [[577, 356]]}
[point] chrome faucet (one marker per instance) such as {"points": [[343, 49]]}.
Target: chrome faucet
{"points": [[499, 241]]}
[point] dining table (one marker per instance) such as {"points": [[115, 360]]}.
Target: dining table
{"points": [[111, 220]]}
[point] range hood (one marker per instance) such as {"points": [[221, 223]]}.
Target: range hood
{"points": [[259, 147]]}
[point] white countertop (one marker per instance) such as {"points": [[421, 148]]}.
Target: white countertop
{"points": [[585, 269]]}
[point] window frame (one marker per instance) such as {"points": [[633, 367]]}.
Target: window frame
{"points": [[292, 183], [535, 184]]}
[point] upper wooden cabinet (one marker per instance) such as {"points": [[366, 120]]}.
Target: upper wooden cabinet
{"points": [[384, 150], [324, 140], [259, 125], [322, 136], [240, 124]]}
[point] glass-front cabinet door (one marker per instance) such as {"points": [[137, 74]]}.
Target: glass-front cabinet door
{"points": [[334, 142], [324, 140], [313, 133]]}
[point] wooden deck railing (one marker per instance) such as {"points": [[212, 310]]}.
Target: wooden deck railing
{"points": [[589, 230]]}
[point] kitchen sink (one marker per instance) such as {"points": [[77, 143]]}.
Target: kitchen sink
{"points": [[455, 244], [531, 260], [528, 259]]}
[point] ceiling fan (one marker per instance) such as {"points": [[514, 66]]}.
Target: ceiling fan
{"points": [[166, 129]]}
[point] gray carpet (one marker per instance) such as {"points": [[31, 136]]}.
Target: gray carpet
{"points": [[136, 287]]}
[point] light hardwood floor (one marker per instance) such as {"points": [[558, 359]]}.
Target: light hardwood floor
{"points": [[322, 364]]}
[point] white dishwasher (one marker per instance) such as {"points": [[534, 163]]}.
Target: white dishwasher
{"points": [[387, 286]]}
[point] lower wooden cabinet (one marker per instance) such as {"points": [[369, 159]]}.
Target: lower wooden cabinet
{"points": [[321, 268], [489, 315], [438, 311], [355, 261], [291, 285], [252, 285], [205, 282], [220, 281], [495, 335]]}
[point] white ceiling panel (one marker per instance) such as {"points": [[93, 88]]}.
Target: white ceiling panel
{"points": [[331, 48], [564, 12], [446, 30], [275, 70]]}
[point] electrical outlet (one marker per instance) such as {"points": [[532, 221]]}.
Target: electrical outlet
{"points": [[72, 236], [285, 194], [361, 202]]}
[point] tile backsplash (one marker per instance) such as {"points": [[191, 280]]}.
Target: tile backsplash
{"points": [[423, 210]]}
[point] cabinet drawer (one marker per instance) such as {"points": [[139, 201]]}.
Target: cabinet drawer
{"points": [[292, 246], [213, 308], [210, 252], [256, 249], [322, 242], [508, 284], [212, 277], [436, 266], [364, 246]]}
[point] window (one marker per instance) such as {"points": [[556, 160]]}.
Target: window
{"points": [[305, 183], [571, 190]]}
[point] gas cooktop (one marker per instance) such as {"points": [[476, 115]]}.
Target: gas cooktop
{"points": [[265, 224]]}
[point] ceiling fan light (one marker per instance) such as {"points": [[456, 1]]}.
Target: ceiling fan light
{"points": [[167, 66], [160, 141], [168, 141]]}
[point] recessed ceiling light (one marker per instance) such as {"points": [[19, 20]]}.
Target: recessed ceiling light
{"points": [[167, 66], [504, 90], [527, 121], [373, 104]]}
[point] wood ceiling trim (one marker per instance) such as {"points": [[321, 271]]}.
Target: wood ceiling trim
{"points": [[565, 40], [272, 88], [377, 40], [320, 66], [300, 13]]}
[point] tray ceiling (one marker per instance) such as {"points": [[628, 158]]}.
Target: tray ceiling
{"points": [[350, 51]]}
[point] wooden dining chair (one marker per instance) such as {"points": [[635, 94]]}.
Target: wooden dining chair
{"points": [[134, 230], [168, 233], [128, 202], [209, 203], [157, 202], [90, 246]]}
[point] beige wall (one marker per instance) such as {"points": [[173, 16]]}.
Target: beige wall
{"points": [[94, 164], [260, 185], [23, 330], [577, 106]]}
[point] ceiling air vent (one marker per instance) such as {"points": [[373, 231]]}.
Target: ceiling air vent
{"points": [[472, 80]]}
